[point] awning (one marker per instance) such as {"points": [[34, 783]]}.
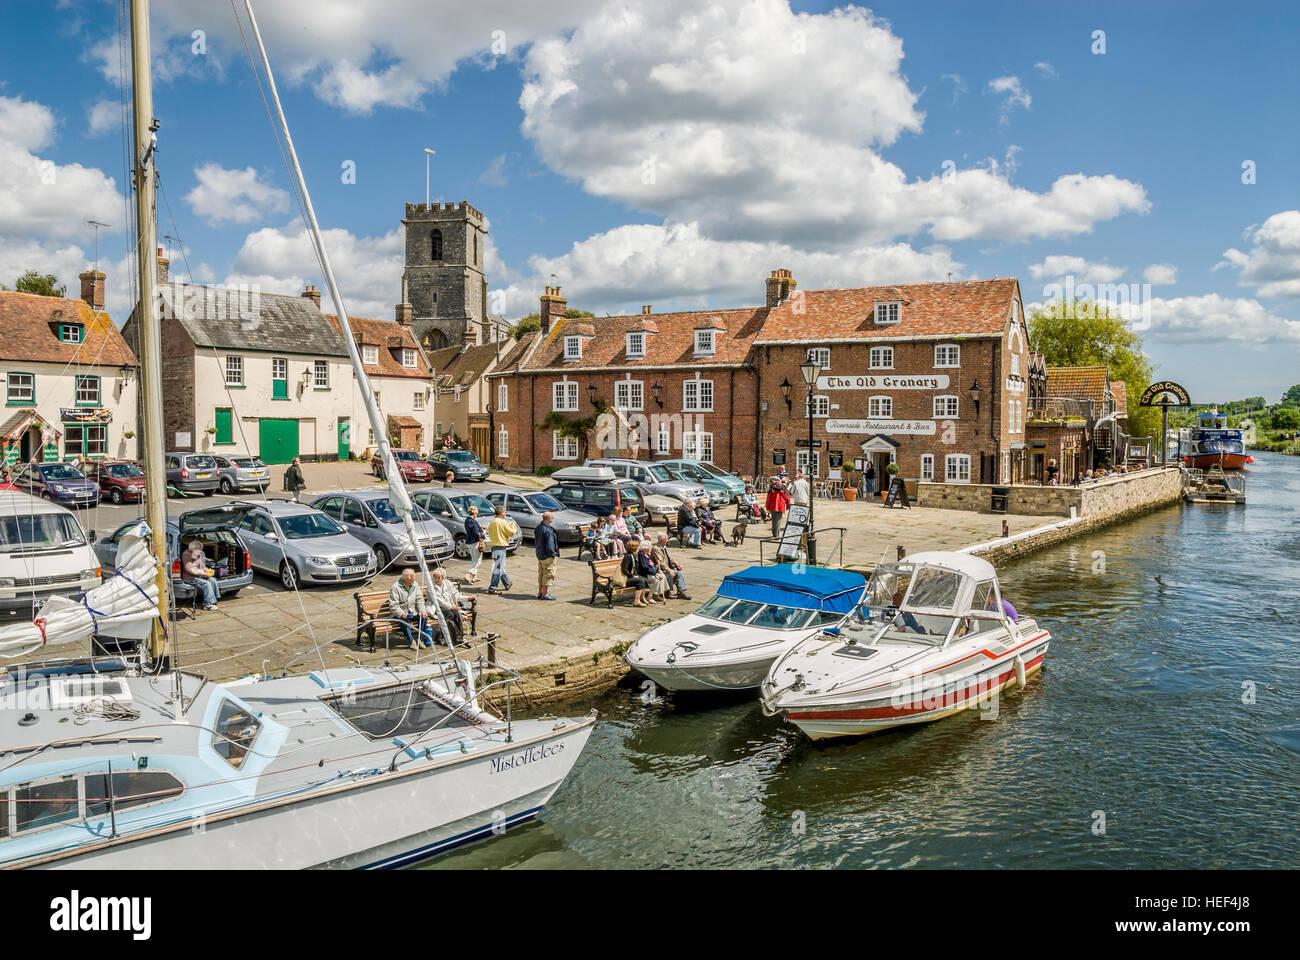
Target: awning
{"points": [[835, 591]]}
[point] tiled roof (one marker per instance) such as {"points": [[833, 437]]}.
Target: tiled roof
{"points": [[29, 331], [462, 365], [967, 307], [1118, 390], [1078, 383], [673, 344], [391, 338], [279, 324]]}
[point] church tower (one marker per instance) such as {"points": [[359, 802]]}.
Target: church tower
{"points": [[444, 272]]}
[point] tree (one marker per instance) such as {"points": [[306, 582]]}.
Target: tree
{"points": [[41, 284], [579, 428], [1084, 333], [1286, 418], [1292, 397], [532, 322]]}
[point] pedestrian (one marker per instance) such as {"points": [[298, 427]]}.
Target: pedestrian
{"points": [[688, 525], [195, 572], [778, 502], [499, 531], [450, 602], [631, 575], [475, 543], [869, 478], [1053, 473], [801, 492], [406, 600], [671, 570], [293, 481], [654, 578], [449, 478], [546, 544]]}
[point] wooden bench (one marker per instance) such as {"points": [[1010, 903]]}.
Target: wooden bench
{"points": [[674, 532], [375, 618], [602, 579], [585, 547]]}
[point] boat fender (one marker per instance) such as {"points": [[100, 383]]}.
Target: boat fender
{"points": [[1020, 670]]}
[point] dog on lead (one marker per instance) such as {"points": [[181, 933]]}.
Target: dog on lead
{"points": [[738, 532]]}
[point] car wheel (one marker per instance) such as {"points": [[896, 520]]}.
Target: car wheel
{"points": [[226, 486], [381, 558], [115, 495], [461, 548], [45, 495], [288, 576]]}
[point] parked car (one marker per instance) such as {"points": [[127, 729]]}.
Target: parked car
{"points": [[657, 505], [733, 485], [691, 472], [302, 545], [241, 473], [451, 507], [526, 510], [652, 476], [411, 465], [43, 553], [121, 481], [368, 516], [192, 473], [58, 482], [464, 463], [216, 529], [596, 491]]}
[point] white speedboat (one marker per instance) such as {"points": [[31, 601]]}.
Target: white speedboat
{"points": [[933, 636], [756, 615]]}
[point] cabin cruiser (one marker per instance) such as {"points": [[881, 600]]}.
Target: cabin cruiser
{"points": [[755, 616], [1212, 443], [932, 636]]}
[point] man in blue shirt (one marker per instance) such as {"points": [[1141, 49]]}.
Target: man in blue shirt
{"points": [[547, 547]]}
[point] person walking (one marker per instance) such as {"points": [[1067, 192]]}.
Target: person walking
{"points": [[632, 576], [475, 543], [671, 570], [448, 478], [406, 600], [688, 524], [293, 481], [499, 531], [869, 477], [778, 502], [546, 544], [801, 492]]}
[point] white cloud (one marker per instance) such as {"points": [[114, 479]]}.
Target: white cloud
{"points": [[1013, 95], [695, 115], [494, 175], [1272, 264], [1160, 274], [677, 267], [233, 196], [102, 117], [958, 84], [1046, 69], [1059, 266], [1212, 318]]}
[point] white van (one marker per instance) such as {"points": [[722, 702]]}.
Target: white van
{"points": [[43, 553]]}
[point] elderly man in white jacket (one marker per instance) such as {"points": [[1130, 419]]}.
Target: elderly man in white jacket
{"points": [[449, 601]]}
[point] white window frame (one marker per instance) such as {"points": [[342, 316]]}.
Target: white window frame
{"points": [[409, 358], [17, 392], [86, 390], [629, 395], [697, 405], [636, 345], [280, 368], [889, 311], [821, 406], [503, 443], [417, 400], [564, 396], [942, 362], [927, 467], [820, 356], [697, 445], [880, 406], [960, 461], [801, 462], [235, 367], [947, 406], [573, 348], [873, 365], [563, 448], [664, 440], [320, 374], [370, 356], [1015, 364], [503, 397], [705, 342]]}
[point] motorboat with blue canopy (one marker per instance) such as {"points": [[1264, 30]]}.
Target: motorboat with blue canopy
{"points": [[756, 614]]}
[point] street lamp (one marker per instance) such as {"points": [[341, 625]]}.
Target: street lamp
{"points": [[785, 392], [975, 394], [591, 393], [658, 391], [810, 370]]}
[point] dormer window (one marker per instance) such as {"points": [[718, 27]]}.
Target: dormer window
{"points": [[408, 357], [635, 346], [370, 356], [888, 312], [704, 345], [573, 348], [70, 332]]}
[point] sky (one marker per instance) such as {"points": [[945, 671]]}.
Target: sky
{"points": [[673, 153]]}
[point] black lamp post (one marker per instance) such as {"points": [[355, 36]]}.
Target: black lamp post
{"points": [[591, 393], [658, 390], [810, 371], [975, 394], [785, 392]]}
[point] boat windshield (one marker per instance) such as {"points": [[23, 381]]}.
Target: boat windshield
{"points": [[935, 589], [919, 628], [767, 615], [886, 584]]}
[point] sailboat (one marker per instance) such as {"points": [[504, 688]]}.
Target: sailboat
{"points": [[136, 763]]}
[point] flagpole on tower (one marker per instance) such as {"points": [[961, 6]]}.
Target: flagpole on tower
{"points": [[427, 154]]}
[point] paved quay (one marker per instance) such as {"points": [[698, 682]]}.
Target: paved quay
{"points": [[562, 647]]}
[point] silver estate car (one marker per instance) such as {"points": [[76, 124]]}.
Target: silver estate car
{"points": [[651, 476], [526, 510], [368, 516], [242, 473], [302, 546], [451, 507]]}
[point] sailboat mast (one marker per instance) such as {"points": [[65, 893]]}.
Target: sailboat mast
{"points": [[150, 339]]}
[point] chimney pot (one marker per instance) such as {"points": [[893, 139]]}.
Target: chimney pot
{"points": [[92, 289], [645, 311], [779, 287], [553, 308], [312, 294]]}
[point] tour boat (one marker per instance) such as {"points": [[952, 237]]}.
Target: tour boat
{"points": [[1212, 443], [756, 615], [931, 637]]}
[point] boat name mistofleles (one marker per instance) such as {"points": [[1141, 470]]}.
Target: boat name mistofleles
{"points": [[75, 913], [531, 755]]}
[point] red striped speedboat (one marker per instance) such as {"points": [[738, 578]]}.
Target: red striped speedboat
{"points": [[932, 636]]}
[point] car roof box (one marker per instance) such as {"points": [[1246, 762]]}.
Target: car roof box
{"points": [[584, 475]]}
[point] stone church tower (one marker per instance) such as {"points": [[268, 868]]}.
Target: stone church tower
{"points": [[444, 273]]}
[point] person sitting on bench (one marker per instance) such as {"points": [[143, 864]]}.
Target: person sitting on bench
{"points": [[451, 602], [406, 599]]}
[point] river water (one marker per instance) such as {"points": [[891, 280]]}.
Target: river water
{"points": [[1162, 732]]}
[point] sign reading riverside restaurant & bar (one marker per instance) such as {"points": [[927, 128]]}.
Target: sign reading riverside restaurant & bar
{"points": [[909, 427], [873, 381], [85, 415]]}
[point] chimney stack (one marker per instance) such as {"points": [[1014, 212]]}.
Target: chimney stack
{"points": [[553, 308], [780, 285], [163, 264], [92, 289], [312, 294], [645, 311], [471, 334], [405, 312]]}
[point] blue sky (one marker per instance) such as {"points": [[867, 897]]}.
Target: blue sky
{"points": [[673, 153]]}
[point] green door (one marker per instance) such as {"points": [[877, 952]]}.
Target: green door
{"points": [[223, 423], [345, 438], [278, 439]]}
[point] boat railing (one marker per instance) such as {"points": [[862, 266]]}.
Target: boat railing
{"points": [[833, 557]]}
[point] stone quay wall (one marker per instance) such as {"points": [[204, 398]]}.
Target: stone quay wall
{"points": [[1111, 498]]}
